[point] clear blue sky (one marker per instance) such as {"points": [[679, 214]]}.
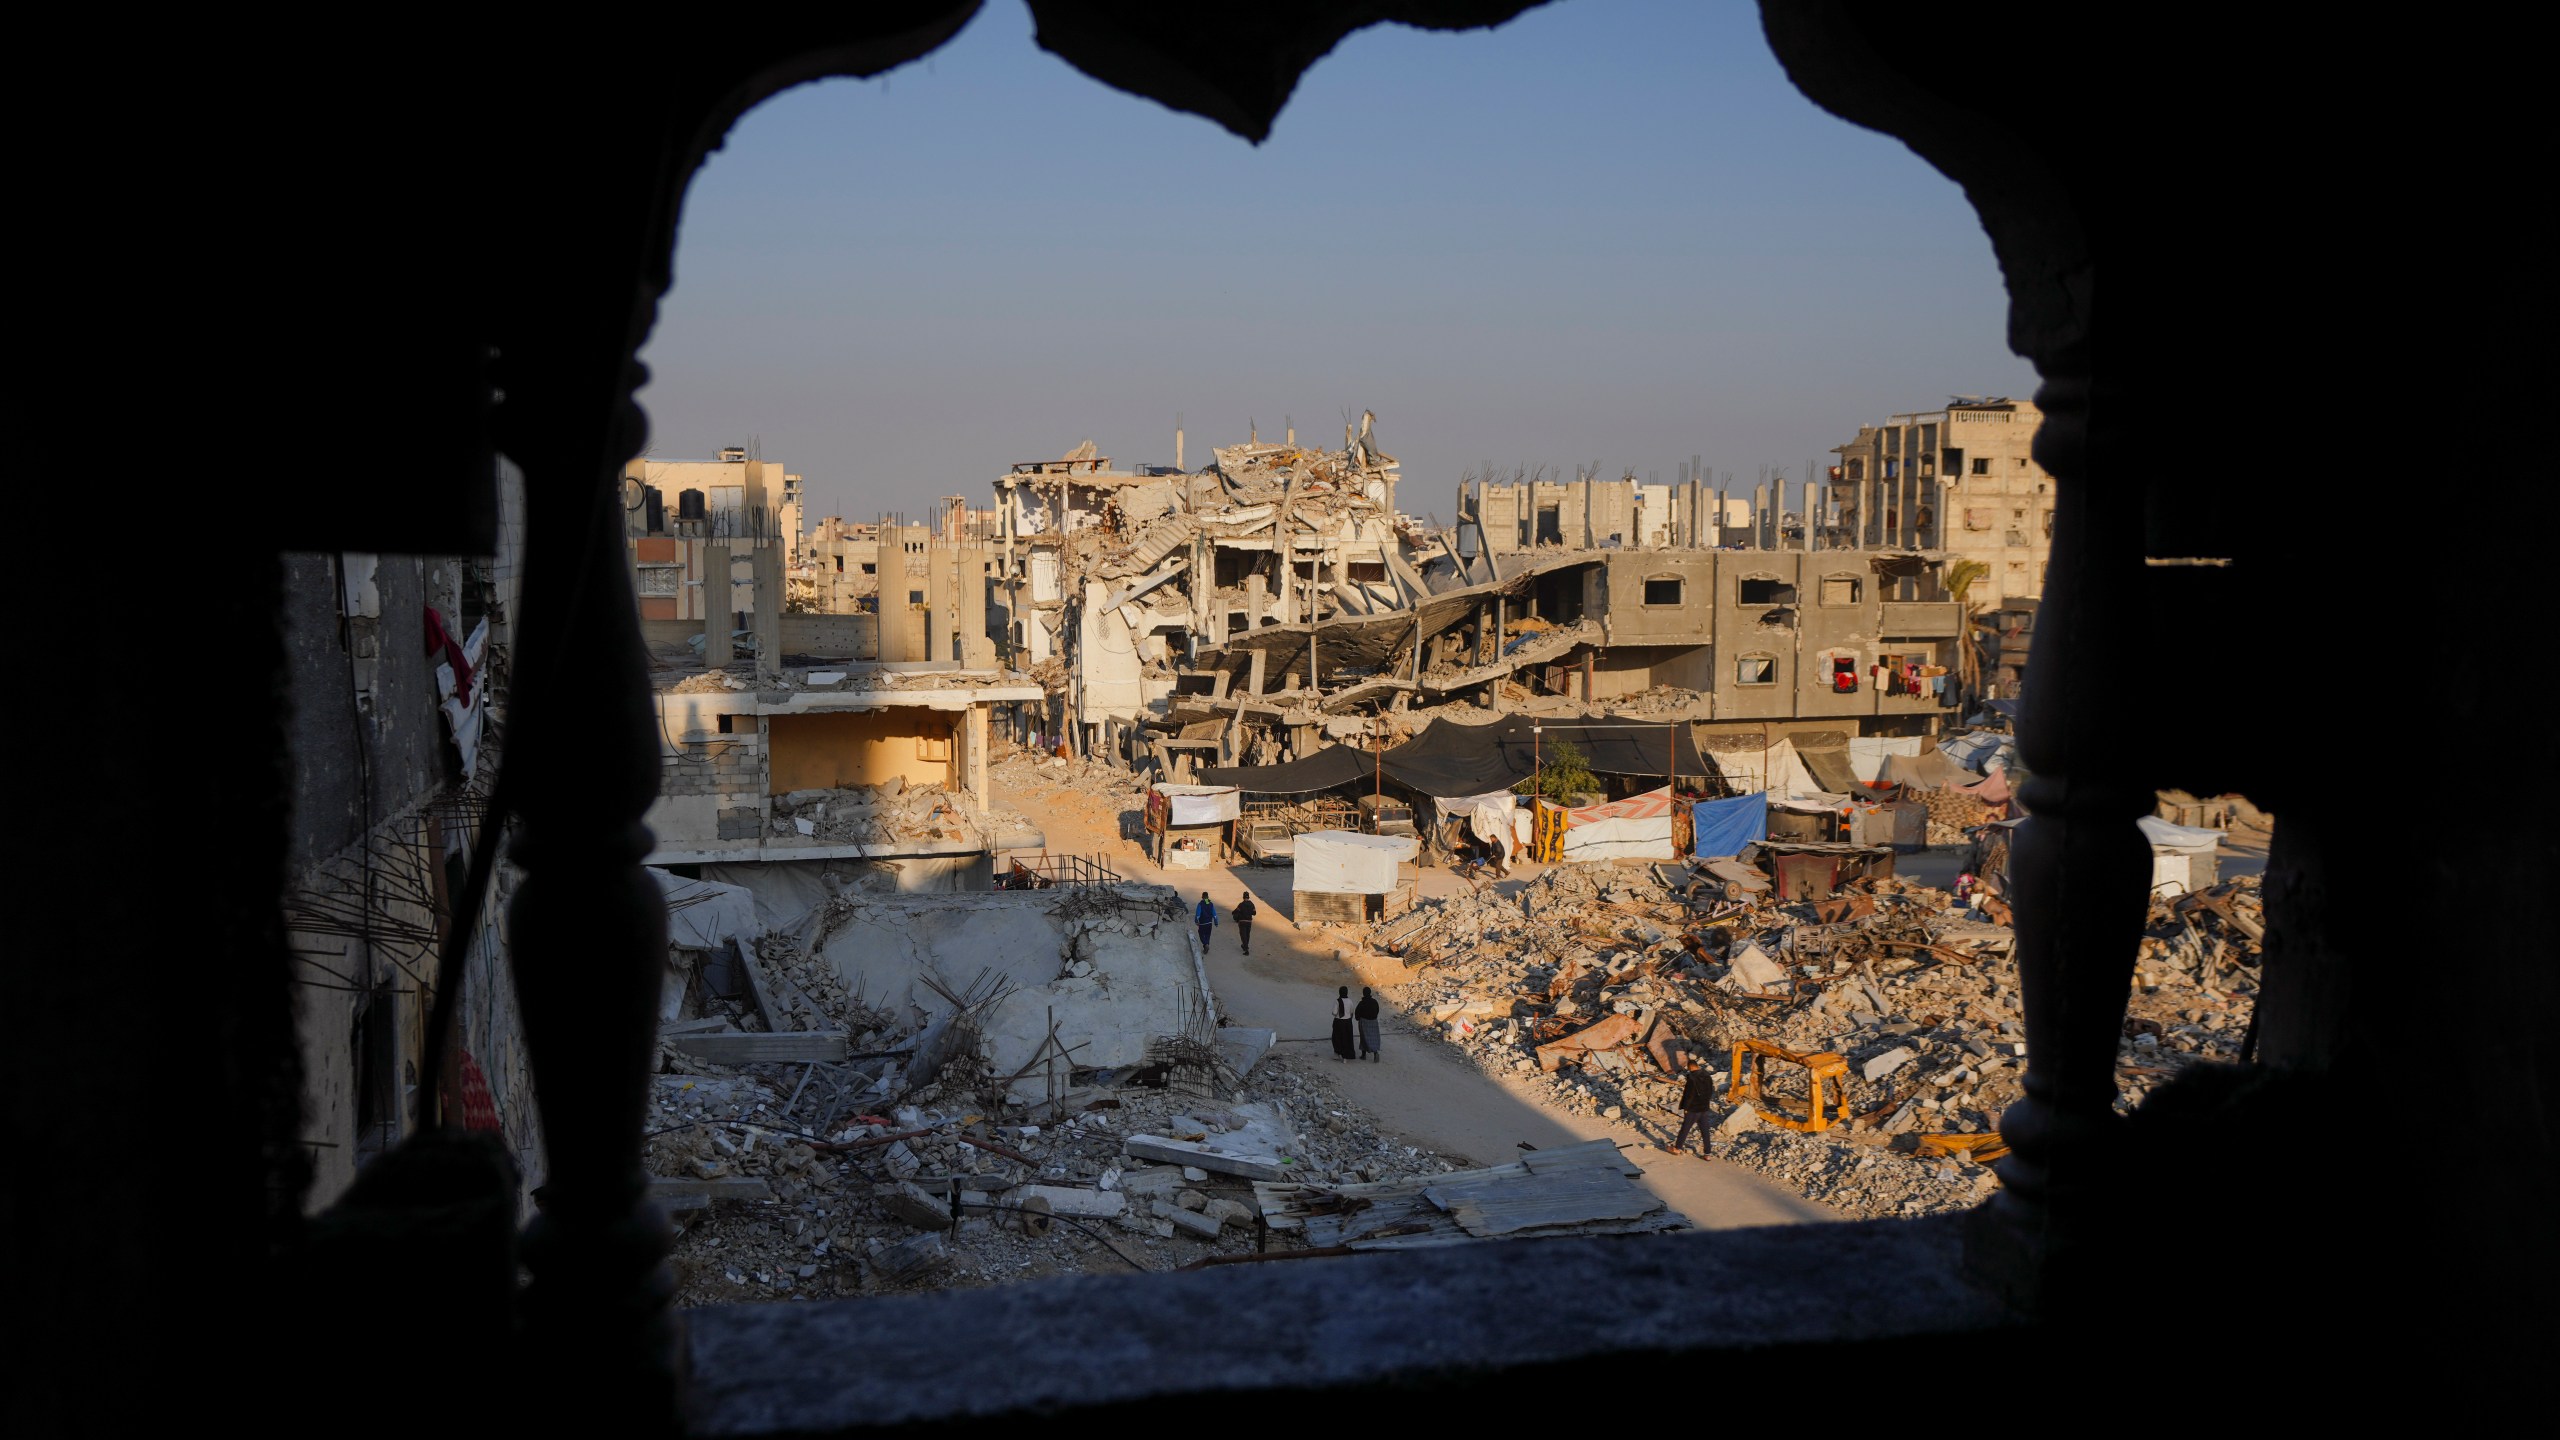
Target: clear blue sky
{"points": [[1606, 232]]}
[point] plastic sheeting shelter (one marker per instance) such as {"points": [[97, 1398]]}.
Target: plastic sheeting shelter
{"points": [[1723, 827], [1489, 817], [1449, 759], [1636, 828], [1929, 770], [1982, 750], [1328, 769], [2183, 858], [1346, 862], [1867, 753], [1188, 805]]}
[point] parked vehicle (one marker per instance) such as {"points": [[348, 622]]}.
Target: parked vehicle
{"points": [[1385, 815], [1267, 842]]}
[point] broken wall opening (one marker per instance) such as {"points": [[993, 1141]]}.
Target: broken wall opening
{"points": [[844, 749]]}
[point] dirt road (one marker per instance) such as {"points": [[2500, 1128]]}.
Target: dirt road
{"points": [[1420, 1090]]}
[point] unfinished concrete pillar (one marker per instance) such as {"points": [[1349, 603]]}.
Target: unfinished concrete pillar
{"points": [[716, 592], [974, 754], [765, 564], [979, 647]]}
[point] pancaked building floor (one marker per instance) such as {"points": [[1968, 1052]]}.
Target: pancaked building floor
{"points": [[899, 1091]]}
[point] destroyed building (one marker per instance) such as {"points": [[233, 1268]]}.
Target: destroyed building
{"points": [[1966, 476], [396, 675]]}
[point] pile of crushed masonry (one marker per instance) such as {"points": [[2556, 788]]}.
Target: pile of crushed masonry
{"points": [[1585, 981]]}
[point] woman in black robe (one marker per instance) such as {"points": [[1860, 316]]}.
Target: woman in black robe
{"points": [[1342, 1017], [1367, 1015]]}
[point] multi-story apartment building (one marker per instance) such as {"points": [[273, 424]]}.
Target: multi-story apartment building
{"points": [[1968, 474]]}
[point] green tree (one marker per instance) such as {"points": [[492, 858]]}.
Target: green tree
{"points": [[1563, 773]]}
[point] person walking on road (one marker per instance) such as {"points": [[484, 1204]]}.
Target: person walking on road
{"points": [[1342, 1016], [1697, 1100], [1206, 917], [1367, 1015], [1244, 913]]}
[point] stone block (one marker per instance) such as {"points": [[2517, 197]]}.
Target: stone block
{"points": [[1888, 1062], [909, 1205], [1187, 1220], [1075, 1200]]}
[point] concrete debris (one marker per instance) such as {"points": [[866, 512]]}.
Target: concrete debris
{"points": [[779, 1200], [1583, 1189], [1920, 994]]}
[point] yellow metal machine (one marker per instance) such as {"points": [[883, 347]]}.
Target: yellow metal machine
{"points": [[1749, 1056]]}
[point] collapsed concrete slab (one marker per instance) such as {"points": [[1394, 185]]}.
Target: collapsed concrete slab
{"points": [[1115, 968], [1253, 1142]]}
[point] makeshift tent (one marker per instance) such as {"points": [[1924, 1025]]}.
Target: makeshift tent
{"points": [[1327, 769], [1449, 758], [1929, 770], [1867, 753], [1188, 805], [1636, 828], [2183, 858], [1346, 862], [1831, 769], [1723, 827], [1488, 817], [1991, 789], [1774, 768], [1981, 750]]}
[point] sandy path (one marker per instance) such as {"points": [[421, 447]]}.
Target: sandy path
{"points": [[1421, 1091]]}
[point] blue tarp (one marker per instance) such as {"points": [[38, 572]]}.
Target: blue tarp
{"points": [[1723, 827]]}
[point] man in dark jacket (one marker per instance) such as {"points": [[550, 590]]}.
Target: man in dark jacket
{"points": [[1205, 915], [1243, 914], [1697, 1102]]}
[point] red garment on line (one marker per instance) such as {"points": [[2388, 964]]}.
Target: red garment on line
{"points": [[439, 638]]}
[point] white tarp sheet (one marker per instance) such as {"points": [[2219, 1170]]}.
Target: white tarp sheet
{"points": [[1866, 753], [1201, 804], [1811, 801], [1776, 769], [2164, 835], [1346, 862], [1489, 817]]}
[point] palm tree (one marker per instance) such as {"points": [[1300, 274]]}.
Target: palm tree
{"points": [[1959, 582]]}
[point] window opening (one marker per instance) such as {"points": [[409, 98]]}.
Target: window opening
{"points": [[1755, 670], [1662, 590], [1844, 674], [1840, 590], [1765, 591]]}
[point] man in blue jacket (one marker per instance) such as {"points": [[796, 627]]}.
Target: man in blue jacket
{"points": [[1206, 917]]}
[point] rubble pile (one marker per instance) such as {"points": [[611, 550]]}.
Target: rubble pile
{"points": [[1951, 813], [1587, 982], [891, 812], [779, 1199]]}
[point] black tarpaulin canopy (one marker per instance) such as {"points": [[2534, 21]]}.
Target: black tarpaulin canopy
{"points": [[1334, 765], [1450, 759]]}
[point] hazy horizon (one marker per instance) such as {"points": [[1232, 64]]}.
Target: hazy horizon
{"points": [[1603, 233]]}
